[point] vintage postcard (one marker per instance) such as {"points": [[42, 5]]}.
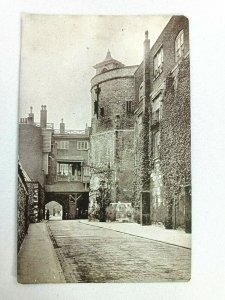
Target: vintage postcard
{"points": [[104, 159]]}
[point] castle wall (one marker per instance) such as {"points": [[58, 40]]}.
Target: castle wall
{"points": [[116, 88], [111, 160]]}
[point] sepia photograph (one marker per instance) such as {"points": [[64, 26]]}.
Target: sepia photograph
{"points": [[104, 149]]}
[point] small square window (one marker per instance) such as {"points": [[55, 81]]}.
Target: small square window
{"points": [[102, 113], [63, 145], [82, 145]]}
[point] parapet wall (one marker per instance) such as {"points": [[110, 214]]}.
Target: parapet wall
{"points": [[112, 74]]}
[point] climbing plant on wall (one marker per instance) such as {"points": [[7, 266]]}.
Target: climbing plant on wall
{"points": [[175, 138]]}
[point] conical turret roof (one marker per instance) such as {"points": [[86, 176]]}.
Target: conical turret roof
{"points": [[109, 60]]}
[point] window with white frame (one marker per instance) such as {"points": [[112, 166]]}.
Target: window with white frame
{"points": [[82, 145], [63, 145], [156, 108], [63, 169], [179, 45], [158, 62], [156, 143], [86, 171]]}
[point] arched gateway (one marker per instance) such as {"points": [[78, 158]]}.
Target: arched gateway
{"points": [[74, 205]]}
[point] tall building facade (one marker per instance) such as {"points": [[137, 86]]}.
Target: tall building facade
{"points": [[162, 129], [140, 145]]}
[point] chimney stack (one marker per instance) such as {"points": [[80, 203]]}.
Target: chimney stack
{"points": [[87, 129], [43, 116], [146, 113], [62, 127], [30, 118], [146, 69]]}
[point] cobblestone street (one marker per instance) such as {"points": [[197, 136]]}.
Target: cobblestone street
{"points": [[92, 254]]}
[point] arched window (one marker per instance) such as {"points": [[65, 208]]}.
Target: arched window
{"points": [[104, 70], [158, 63], [179, 45]]}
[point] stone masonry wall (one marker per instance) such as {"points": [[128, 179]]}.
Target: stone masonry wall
{"points": [[125, 165], [111, 160], [112, 98]]}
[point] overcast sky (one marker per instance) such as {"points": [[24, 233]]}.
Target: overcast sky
{"points": [[58, 54]]}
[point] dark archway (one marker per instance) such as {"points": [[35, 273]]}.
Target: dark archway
{"points": [[82, 206], [74, 205]]}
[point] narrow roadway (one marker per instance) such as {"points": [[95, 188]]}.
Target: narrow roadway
{"points": [[93, 254]]}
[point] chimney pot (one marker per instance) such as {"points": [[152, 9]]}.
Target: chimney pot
{"points": [[62, 127], [146, 34], [43, 116]]}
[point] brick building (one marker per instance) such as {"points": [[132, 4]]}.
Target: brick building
{"points": [[69, 171], [111, 152], [140, 141], [56, 162], [162, 129]]}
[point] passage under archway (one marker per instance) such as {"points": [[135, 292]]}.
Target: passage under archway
{"points": [[55, 211]]}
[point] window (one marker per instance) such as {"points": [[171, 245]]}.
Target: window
{"points": [[96, 107], [179, 46], [128, 106], [156, 144], [156, 109], [63, 169], [63, 145], [158, 63], [139, 124], [102, 113], [82, 145], [141, 92], [104, 70], [155, 117], [86, 171], [69, 171]]}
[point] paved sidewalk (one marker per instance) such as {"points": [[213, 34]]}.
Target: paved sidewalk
{"points": [[37, 261], [152, 232]]}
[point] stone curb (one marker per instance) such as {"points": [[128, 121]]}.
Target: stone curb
{"points": [[136, 235]]}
